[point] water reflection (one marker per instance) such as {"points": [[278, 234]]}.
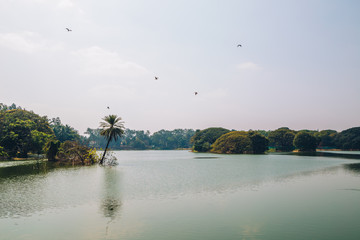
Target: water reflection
{"points": [[111, 195], [353, 168], [24, 168]]}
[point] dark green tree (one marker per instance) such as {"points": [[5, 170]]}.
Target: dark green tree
{"points": [[326, 138], [259, 142], [305, 142], [23, 131], [64, 132], [349, 139], [52, 148], [282, 139], [112, 128]]}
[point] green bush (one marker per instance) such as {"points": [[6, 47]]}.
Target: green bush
{"points": [[233, 142]]}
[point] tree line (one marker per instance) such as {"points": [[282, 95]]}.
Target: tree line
{"points": [[23, 132], [220, 140], [141, 140]]}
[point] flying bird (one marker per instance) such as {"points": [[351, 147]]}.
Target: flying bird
{"points": [[239, 45], [68, 29], [156, 78], [108, 107], [196, 93]]}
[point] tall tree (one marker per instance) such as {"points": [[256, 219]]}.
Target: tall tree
{"points": [[112, 128]]}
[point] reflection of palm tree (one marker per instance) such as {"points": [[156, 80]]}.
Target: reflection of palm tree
{"points": [[112, 128], [111, 195], [111, 207]]}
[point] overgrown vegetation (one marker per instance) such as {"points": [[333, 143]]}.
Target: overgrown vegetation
{"points": [[23, 132]]}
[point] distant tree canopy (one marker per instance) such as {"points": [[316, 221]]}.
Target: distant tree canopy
{"points": [[349, 139], [64, 132], [326, 138], [23, 131], [282, 139], [175, 139], [259, 142], [139, 139], [240, 142], [202, 140], [305, 142], [4, 107]]}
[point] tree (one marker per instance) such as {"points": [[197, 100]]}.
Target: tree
{"points": [[282, 139], [23, 131], [51, 149], [233, 142], [259, 142], [326, 138], [349, 139], [203, 140], [64, 132], [112, 128], [305, 142]]}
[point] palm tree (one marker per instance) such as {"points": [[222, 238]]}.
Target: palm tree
{"points": [[112, 128]]}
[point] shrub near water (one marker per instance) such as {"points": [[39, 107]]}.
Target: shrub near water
{"points": [[70, 152]]}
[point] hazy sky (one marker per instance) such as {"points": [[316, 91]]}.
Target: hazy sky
{"points": [[299, 64]]}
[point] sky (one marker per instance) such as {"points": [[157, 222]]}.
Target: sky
{"points": [[298, 67]]}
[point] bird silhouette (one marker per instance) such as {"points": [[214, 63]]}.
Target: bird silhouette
{"points": [[239, 45], [156, 78], [108, 107], [68, 29], [196, 93]]}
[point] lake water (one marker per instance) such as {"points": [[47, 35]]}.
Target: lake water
{"points": [[170, 195]]}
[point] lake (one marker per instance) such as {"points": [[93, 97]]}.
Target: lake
{"points": [[170, 195]]}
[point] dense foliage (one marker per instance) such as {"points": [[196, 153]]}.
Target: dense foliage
{"points": [[202, 140], [175, 139], [139, 139], [305, 142], [240, 142], [233, 142], [282, 139], [22, 132], [349, 139], [326, 138], [259, 142], [64, 132]]}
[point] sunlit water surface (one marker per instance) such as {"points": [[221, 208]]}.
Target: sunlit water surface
{"points": [[182, 195]]}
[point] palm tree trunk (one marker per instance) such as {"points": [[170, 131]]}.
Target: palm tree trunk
{"points": [[102, 159]]}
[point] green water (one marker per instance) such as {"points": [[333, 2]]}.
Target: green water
{"points": [[183, 195]]}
